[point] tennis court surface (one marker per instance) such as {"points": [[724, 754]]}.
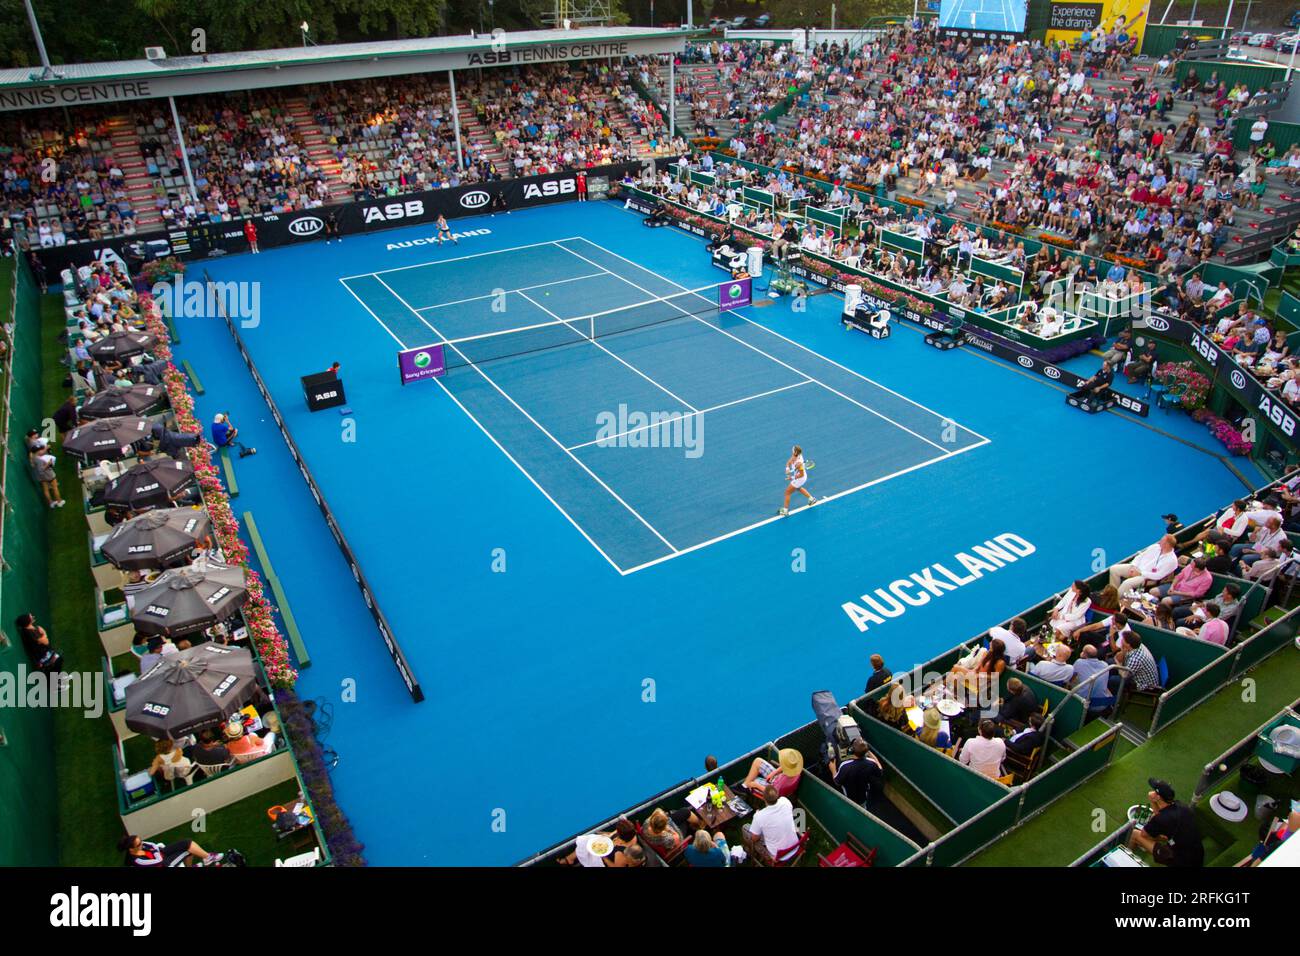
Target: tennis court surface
{"points": [[655, 422]]}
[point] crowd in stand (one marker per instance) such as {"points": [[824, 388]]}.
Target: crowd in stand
{"points": [[58, 182], [1084, 151]]}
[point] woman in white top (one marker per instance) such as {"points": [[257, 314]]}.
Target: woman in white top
{"points": [[796, 475], [1071, 611]]}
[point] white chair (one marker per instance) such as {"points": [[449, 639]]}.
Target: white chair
{"points": [[302, 859]]}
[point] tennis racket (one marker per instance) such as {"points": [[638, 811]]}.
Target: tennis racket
{"points": [[808, 465]]}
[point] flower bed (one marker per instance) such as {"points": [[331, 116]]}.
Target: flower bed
{"points": [[1197, 385], [271, 645], [1008, 227], [1230, 435], [1058, 240]]}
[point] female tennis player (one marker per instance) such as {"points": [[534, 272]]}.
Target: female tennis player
{"points": [[796, 474], [444, 231]]}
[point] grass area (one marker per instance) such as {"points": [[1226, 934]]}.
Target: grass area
{"points": [[1178, 755], [89, 826], [243, 826]]}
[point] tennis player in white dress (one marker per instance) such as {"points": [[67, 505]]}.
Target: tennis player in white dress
{"points": [[796, 476]]}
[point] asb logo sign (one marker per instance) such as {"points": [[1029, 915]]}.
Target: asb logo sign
{"points": [[394, 211], [476, 199], [1277, 414], [557, 187], [306, 226]]}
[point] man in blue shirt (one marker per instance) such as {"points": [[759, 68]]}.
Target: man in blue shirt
{"points": [[1087, 666], [224, 435]]}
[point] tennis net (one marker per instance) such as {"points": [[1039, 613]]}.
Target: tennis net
{"points": [[557, 333]]}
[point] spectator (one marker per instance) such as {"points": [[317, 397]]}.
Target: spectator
{"points": [[225, 435], [1029, 738], [706, 850], [148, 854], [43, 467], [984, 753], [772, 835], [1087, 678], [784, 776], [1171, 835], [37, 644], [1019, 703], [880, 674], [1057, 669], [860, 776], [1149, 567]]}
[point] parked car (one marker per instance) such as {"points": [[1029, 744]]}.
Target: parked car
{"points": [[739, 23], [763, 21], [1257, 39], [718, 24], [1270, 41], [1287, 43], [1240, 38]]}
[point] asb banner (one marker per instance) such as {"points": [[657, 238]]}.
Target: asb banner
{"points": [[735, 294], [425, 362], [307, 225]]}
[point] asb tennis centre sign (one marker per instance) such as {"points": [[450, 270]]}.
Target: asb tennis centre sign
{"points": [[424, 362]]}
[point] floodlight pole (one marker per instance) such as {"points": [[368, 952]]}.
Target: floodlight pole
{"points": [[672, 96], [455, 118], [185, 153], [47, 71]]}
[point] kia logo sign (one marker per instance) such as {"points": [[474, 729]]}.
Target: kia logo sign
{"points": [[475, 200], [1051, 372], [306, 226], [1157, 324], [1238, 379], [1025, 360]]}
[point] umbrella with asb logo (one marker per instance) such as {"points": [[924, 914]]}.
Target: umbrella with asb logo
{"points": [[119, 400], [108, 439], [155, 483], [191, 690], [157, 539], [190, 599], [120, 345]]}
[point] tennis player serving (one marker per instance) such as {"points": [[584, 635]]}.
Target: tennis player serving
{"points": [[796, 475]]}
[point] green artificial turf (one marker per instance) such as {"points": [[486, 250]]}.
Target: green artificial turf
{"points": [[243, 826], [89, 826], [1071, 825]]}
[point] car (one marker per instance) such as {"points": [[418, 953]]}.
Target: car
{"points": [[1239, 38], [763, 21], [1287, 44], [1270, 41], [739, 23], [719, 23]]}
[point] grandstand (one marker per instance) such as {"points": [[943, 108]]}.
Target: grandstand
{"points": [[1012, 630]]}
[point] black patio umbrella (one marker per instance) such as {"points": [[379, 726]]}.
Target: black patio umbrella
{"points": [[122, 400], [191, 690], [120, 345], [108, 439], [157, 539], [155, 483], [187, 600]]}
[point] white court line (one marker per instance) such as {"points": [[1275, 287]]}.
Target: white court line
{"points": [[500, 447], [924, 408], [820, 502], [673, 395], [668, 421], [372, 314], [493, 295], [475, 255], [613, 494], [773, 358]]}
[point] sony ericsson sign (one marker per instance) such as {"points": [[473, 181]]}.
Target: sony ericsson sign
{"points": [[919, 588], [424, 362]]}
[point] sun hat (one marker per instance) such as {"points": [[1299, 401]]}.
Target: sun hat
{"points": [[1229, 806], [791, 762], [933, 718]]}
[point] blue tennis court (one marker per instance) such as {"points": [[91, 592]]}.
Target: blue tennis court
{"points": [[654, 421], [492, 524], [997, 16]]}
